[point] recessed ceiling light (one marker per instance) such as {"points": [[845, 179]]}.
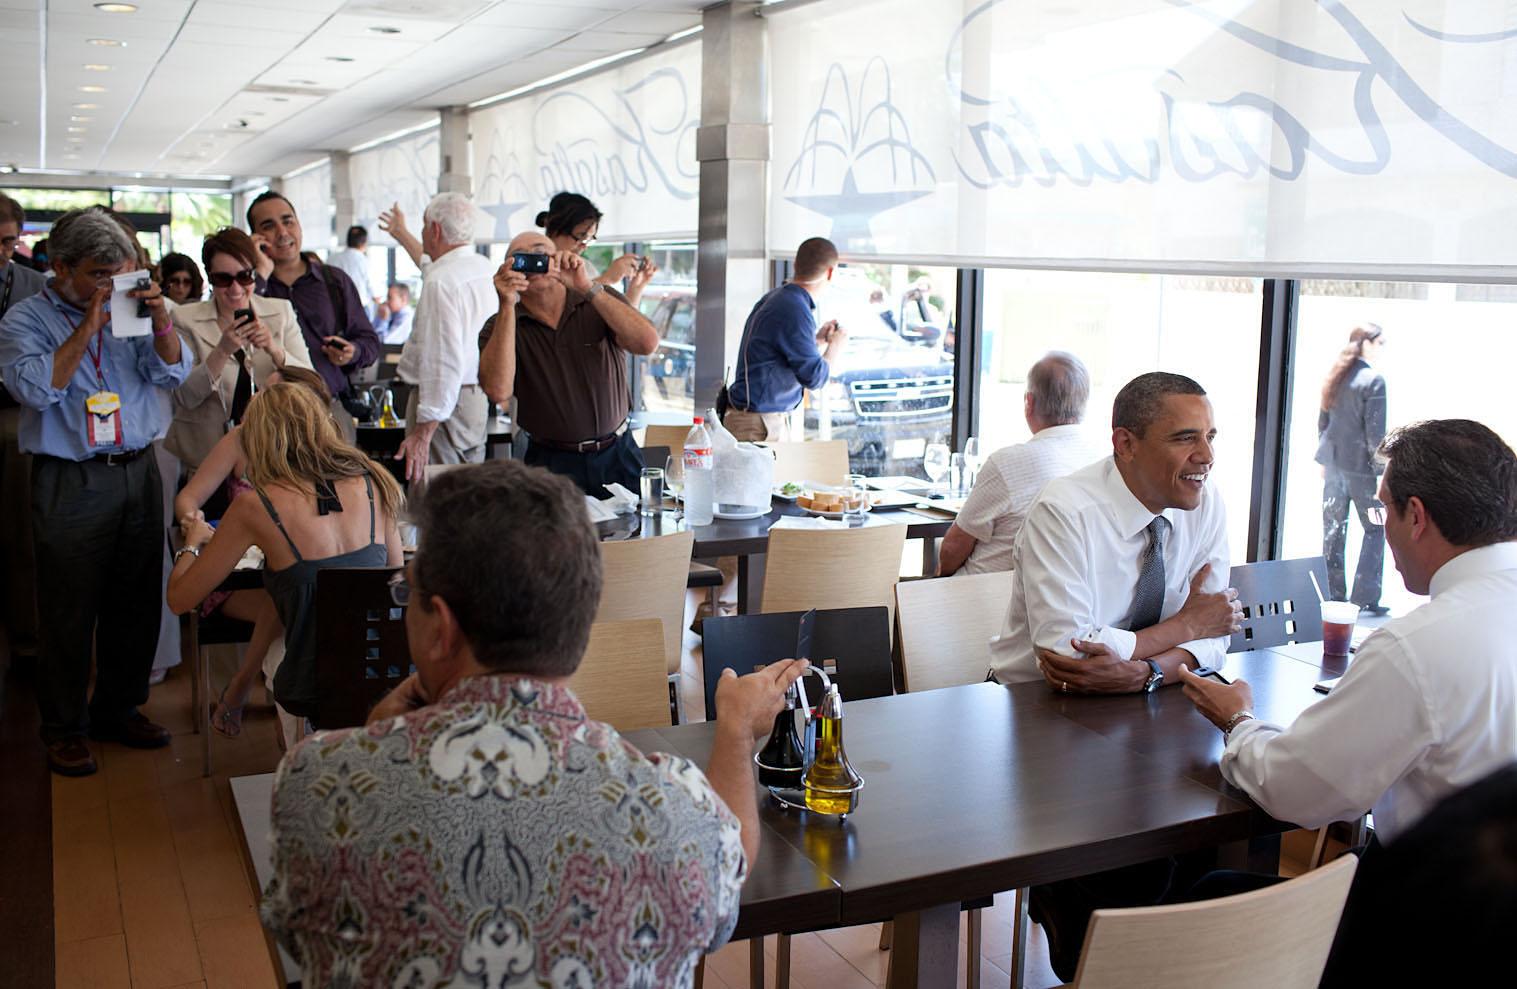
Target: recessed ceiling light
{"points": [[70, 157], [96, 67], [117, 8], [279, 99], [91, 89], [76, 130], [79, 117], [86, 106], [107, 43], [384, 29], [339, 58]]}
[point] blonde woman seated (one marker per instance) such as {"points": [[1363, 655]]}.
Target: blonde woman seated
{"points": [[238, 340], [225, 468], [316, 501]]}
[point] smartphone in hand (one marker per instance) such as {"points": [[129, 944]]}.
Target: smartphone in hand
{"points": [[242, 318], [529, 263]]}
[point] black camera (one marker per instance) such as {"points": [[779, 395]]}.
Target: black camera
{"points": [[530, 264], [143, 284]]}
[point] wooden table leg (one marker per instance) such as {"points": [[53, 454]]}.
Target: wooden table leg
{"points": [[750, 583], [200, 691], [924, 950]]}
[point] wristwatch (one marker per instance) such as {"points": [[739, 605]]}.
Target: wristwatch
{"points": [[192, 550], [1155, 677], [593, 290]]}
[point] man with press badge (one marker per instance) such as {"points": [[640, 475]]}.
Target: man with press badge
{"points": [[87, 358]]}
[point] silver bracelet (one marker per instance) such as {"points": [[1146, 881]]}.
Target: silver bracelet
{"points": [[1233, 722], [194, 550]]}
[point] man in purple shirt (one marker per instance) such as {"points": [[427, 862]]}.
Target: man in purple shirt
{"points": [[337, 330]]}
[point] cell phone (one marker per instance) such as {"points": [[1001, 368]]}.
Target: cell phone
{"points": [[1325, 686], [529, 264], [335, 341], [1217, 675], [242, 316], [642, 263]]}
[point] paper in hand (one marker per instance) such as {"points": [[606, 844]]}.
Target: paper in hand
{"points": [[124, 319]]}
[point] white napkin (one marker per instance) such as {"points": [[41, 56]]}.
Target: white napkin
{"points": [[620, 502], [251, 560], [807, 522]]}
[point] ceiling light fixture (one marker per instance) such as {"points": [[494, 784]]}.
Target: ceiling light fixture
{"points": [[91, 89], [303, 82], [279, 99], [107, 43], [384, 29], [86, 106], [76, 130], [117, 8], [339, 58], [96, 67], [79, 118]]}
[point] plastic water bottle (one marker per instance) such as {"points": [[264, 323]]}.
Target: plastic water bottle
{"points": [[699, 487]]}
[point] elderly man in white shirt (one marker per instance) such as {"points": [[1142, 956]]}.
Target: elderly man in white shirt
{"points": [[1094, 609], [982, 539], [1429, 704], [445, 415]]}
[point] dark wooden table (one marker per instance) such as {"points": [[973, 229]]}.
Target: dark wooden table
{"points": [[748, 540], [979, 789]]}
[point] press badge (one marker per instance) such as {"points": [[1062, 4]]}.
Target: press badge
{"points": [[103, 424]]}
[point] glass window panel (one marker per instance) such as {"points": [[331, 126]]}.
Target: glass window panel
{"points": [[667, 376], [1432, 332], [890, 393], [196, 215], [141, 201], [1121, 325]]}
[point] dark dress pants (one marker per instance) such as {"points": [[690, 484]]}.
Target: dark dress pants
{"points": [[620, 463], [99, 536], [1339, 490]]}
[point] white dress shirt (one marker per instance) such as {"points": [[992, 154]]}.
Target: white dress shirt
{"points": [[356, 265], [1076, 568], [1428, 706], [1011, 478], [441, 356]]}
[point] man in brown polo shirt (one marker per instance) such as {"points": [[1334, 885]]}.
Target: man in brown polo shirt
{"points": [[561, 352]]}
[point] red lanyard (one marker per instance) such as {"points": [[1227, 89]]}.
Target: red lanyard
{"points": [[96, 354]]}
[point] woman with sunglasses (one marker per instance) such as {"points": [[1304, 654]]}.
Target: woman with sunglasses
{"points": [[572, 222], [180, 278], [238, 339]]}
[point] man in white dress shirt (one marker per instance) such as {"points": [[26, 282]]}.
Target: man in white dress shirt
{"points": [[1429, 704], [1078, 615], [352, 260], [981, 540], [445, 415]]}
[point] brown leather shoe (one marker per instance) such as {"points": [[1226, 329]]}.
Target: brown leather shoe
{"points": [[71, 757], [135, 731]]}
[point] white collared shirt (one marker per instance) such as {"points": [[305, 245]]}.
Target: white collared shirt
{"points": [[1428, 706], [1076, 568], [1011, 478], [441, 356]]}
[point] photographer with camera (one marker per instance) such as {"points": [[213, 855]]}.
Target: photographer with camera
{"points": [[561, 350]]}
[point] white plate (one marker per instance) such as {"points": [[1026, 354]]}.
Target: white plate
{"points": [[779, 492], [740, 516]]}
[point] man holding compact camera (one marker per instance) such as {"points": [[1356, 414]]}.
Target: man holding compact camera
{"points": [[92, 404], [446, 413], [337, 330], [558, 344]]}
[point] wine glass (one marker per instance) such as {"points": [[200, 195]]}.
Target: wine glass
{"points": [[674, 482], [935, 462]]}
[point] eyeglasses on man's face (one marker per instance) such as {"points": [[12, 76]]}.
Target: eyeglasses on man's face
{"points": [[224, 279], [400, 588]]}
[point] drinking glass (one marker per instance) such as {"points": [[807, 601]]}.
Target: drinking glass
{"points": [[935, 462], [652, 481], [855, 499], [973, 461], [674, 482]]}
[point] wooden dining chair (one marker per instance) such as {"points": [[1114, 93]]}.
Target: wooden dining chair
{"points": [[361, 648], [646, 578], [946, 626], [833, 568], [851, 644], [1272, 938], [620, 680], [672, 437], [1279, 603], [822, 461]]}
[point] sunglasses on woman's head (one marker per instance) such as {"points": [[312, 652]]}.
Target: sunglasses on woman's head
{"points": [[224, 279]]}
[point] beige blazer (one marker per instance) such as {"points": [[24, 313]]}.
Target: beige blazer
{"points": [[202, 404]]}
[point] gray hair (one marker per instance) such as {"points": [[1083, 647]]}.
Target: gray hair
{"points": [[454, 213], [91, 234], [1060, 387], [1139, 402]]}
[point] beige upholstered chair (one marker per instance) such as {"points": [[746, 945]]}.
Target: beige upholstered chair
{"points": [[1272, 938], [645, 578], [621, 679], [822, 461], [946, 626], [832, 568]]}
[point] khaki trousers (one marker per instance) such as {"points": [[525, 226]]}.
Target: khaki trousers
{"points": [[758, 427]]}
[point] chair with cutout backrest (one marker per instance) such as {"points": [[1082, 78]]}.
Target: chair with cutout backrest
{"points": [[361, 647], [1279, 603]]}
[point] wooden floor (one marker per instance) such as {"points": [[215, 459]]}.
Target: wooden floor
{"points": [[150, 890]]}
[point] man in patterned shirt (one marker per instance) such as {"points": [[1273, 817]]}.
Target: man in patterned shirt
{"points": [[480, 830], [981, 540]]}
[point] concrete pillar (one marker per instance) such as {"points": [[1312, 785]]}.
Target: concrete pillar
{"points": [[342, 196], [732, 146], [453, 151]]}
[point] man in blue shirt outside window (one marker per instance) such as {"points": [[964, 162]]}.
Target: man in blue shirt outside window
{"points": [[778, 358], [90, 411]]}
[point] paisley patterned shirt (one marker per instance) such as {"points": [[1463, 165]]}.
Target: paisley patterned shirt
{"points": [[498, 838]]}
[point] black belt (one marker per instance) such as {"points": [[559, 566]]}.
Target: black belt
{"points": [[583, 446], [117, 459]]}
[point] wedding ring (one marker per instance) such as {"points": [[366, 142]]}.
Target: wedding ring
{"points": [[1064, 685]]}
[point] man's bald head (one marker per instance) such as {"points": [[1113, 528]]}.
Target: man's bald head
{"points": [[531, 242]]}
